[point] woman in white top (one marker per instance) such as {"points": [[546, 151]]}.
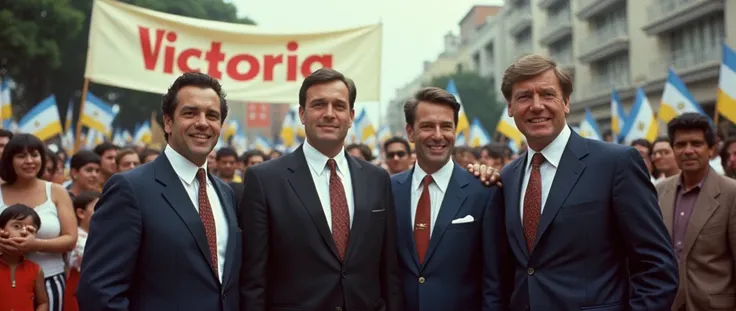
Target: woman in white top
{"points": [[21, 167]]}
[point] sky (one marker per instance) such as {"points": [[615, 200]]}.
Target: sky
{"points": [[413, 30]]}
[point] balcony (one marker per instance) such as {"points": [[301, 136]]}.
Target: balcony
{"points": [[546, 4], [558, 27], [591, 8], [605, 42], [602, 86], [520, 19], [667, 15], [692, 65]]}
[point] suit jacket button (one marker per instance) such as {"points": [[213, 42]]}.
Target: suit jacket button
{"points": [[530, 271], [421, 280]]}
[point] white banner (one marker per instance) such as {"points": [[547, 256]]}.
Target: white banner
{"points": [[145, 50]]}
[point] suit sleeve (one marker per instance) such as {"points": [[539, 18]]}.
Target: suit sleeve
{"points": [[495, 253], [112, 248], [732, 225], [254, 224], [652, 264], [391, 288]]}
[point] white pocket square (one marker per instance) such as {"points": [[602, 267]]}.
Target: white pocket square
{"points": [[464, 220]]}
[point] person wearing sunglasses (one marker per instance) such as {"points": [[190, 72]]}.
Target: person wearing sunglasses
{"points": [[398, 155]]}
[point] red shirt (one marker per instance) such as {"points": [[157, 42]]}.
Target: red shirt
{"points": [[18, 296]]}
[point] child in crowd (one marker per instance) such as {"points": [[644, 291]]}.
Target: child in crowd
{"points": [[84, 207], [21, 281]]}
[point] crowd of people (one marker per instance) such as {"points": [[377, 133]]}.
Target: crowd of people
{"points": [[568, 223]]}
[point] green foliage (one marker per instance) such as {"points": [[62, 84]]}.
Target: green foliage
{"points": [[46, 53], [478, 97]]}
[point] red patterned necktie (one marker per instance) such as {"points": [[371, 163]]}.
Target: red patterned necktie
{"points": [[533, 201], [340, 213], [208, 219], [422, 220]]}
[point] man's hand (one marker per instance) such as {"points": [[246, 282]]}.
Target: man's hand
{"points": [[487, 175]]}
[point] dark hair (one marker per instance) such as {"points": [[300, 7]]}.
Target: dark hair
{"points": [[82, 158], [51, 157], [83, 199], [104, 147], [148, 152], [252, 153], [496, 151], [20, 143], [642, 142], [326, 75], [399, 140], [365, 151], [201, 80], [661, 139], [6, 133], [692, 121], [19, 212], [276, 151], [724, 151], [433, 95], [226, 152], [124, 152]]}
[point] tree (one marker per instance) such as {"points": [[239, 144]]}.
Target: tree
{"points": [[478, 96], [33, 34]]}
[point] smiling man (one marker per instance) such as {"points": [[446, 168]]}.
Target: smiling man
{"points": [[443, 211], [584, 226], [318, 224], [165, 236]]}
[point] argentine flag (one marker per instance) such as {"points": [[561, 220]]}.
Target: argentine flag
{"points": [[588, 127], [676, 99]]}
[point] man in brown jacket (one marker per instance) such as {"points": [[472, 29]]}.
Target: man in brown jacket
{"points": [[699, 209]]}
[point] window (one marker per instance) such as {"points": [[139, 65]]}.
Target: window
{"points": [[697, 42], [561, 51], [561, 10], [613, 71], [611, 23]]}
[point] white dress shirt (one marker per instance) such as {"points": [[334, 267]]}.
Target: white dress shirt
{"points": [[437, 190], [321, 176], [552, 155], [187, 173]]}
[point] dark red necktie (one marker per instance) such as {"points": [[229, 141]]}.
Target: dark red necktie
{"points": [[340, 213], [533, 201], [208, 219], [422, 220]]}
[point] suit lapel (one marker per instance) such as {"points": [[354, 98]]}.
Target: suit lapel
{"points": [[667, 203], [569, 170], [705, 205], [229, 211], [178, 199], [361, 209], [512, 206], [402, 197], [453, 200], [303, 185]]}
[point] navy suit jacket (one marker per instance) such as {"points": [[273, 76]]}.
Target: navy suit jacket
{"points": [[147, 248], [463, 265], [601, 243]]}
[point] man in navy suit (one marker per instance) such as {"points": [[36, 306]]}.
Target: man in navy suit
{"points": [[582, 217], [450, 226], [164, 236]]}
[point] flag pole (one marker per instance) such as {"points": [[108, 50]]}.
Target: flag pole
{"points": [[78, 132]]}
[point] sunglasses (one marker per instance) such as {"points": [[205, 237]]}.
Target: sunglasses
{"points": [[391, 155]]}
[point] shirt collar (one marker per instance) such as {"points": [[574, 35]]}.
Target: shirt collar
{"points": [[318, 162], [441, 177], [553, 152], [698, 186], [185, 169]]}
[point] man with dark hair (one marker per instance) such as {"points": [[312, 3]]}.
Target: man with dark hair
{"points": [[226, 158], [728, 157], [463, 156], [663, 159], [699, 208], [165, 235], [645, 149], [107, 152], [253, 157], [398, 154], [319, 226], [360, 151], [584, 226], [442, 211], [493, 155]]}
